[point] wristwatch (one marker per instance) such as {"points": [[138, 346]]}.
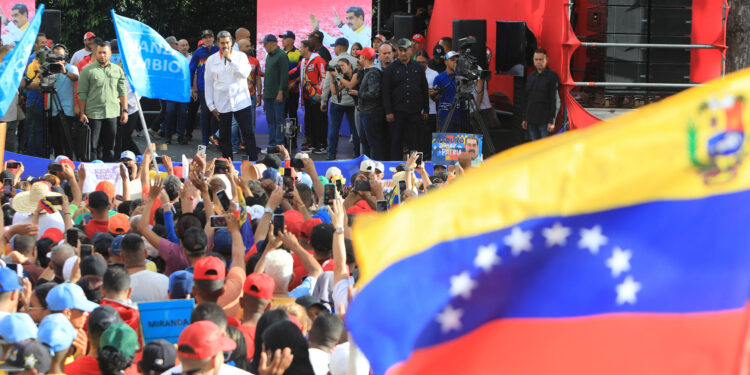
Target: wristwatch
{"points": [[339, 230], [124, 111], [267, 210]]}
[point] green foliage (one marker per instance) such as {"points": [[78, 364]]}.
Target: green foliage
{"points": [[181, 18]]}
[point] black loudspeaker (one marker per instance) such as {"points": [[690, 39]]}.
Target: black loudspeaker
{"points": [[51, 20], [404, 26], [514, 48], [477, 29]]}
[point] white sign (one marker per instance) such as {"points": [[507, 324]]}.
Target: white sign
{"points": [[97, 172]]}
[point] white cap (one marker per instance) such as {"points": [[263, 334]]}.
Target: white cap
{"points": [[451, 55], [367, 166], [255, 211], [127, 155], [67, 270], [332, 171], [379, 166], [301, 155]]}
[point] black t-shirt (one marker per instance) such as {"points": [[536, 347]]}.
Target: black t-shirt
{"points": [[324, 53]]}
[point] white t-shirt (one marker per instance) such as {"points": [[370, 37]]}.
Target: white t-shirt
{"points": [[46, 221], [78, 56], [149, 286], [431, 74], [319, 361], [224, 370], [341, 293]]}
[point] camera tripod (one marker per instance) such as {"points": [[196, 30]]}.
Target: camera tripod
{"points": [[67, 141], [464, 102], [290, 130]]}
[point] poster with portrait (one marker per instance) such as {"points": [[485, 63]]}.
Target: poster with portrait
{"points": [[446, 147], [15, 16], [351, 19]]}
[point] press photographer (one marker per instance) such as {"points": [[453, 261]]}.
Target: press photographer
{"points": [[342, 103]]}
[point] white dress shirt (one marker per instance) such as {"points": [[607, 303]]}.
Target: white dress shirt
{"points": [[226, 82]]}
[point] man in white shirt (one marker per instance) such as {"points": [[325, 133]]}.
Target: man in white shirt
{"points": [[324, 334], [227, 95], [148, 286], [88, 45], [354, 29]]}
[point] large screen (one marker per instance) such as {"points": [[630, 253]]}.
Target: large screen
{"points": [[15, 16], [351, 19]]}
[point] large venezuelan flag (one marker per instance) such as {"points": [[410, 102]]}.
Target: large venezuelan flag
{"points": [[620, 249]]}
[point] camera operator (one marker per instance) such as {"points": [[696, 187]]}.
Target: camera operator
{"points": [[444, 91], [337, 86], [64, 83], [32, 141]]}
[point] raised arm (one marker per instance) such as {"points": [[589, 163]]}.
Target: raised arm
{"points": [[145, 231], [339, 249]]}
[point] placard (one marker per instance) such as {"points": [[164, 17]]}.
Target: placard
{"points": [[165, 319], [446, 147], [97, 172]]}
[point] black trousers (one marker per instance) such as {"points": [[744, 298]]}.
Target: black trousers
{"points": [[424, 136], [403, 132], [60, 134], [124, 140], [192, 118], [316, 124], [244, 120], [103, 136]]}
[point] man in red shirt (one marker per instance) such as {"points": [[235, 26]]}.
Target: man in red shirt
{"points": [[258, 293], [99, 206], [313, 73], [254, 82], [99, 320]]}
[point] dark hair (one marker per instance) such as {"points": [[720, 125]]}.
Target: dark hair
{"points": [[326, 330], [8, 213], [211, 312], [116, 280], [307, 44], [187, 220], [239, 354], [41, 291], [194, 241], [112, 362], [21, 8], [285, 334], [542, 51], [92, 287], [24, 244], [102, 43], [422, 53], [266, 320], [358, 12], [132, 243], [210, 290], [42, 248]]}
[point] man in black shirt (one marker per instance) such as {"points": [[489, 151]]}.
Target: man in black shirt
{"points": [[405, 100], [542, 99], [316, 37]]}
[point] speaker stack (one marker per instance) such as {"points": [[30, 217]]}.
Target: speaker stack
{"points": [[51, 20], [404, 26], [476, 29]]}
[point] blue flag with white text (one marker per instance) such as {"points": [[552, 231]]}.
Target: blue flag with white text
{"points": [[13, 65], [154, 68]]}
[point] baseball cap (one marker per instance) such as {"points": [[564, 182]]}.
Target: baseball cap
{"points": [[116, 246], [158, 356], [194, 241], [288, 34], [180, 284], [379, 166], [293, 220], [68, 296], [451, 55], [316, 34], [127, 155], [310, 301], [62, 159], [209, 268], [418, 38], [121, 337], [107, 187], [17, 327], [340, 42], [206, 32], [67, 269], [308, 226], [98, 200], [222, 241], [27, 355], [269, 38], [93, 265], [259, 285], [367, 52], [379, 36], [321, 236], [203, 340], [404, 43], [8, 280], [102, 317], [57, 332], [53, 234], [333, 171], [171, 40], [438, 50], [305, 178], [119, 223], [89, 35], [367, 166]]}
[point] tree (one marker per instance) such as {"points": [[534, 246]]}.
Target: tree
{"points": [[738, 32]]}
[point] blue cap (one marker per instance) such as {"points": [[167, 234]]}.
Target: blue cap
{"points": [[68, 296], [57, 332], [269, 38], [98, 162], [9, 280], [270, 173], [305, 178], [17, 327], [222, 241], [341, 42], [323, 215], [180, 284], [116, 247]]}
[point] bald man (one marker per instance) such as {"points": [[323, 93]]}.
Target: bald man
{"points": [[240, 34], [184, 46]]}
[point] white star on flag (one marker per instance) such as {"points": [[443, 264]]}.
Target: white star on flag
{"points": [[592, 239], [619, 262], [450, 319], [556, 235], [627, 290], [487, 257], [519, 241], [462, 285], [30, 361]]}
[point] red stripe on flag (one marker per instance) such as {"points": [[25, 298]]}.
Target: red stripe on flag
{"points": [[700, 343]]}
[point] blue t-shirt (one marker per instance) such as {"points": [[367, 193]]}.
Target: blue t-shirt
{"points": [[446, 96], [198, 64], [64, 87]]}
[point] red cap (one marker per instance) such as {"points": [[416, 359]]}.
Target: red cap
{"points": [[107, 188], [119, 224], [418, 37], [200, 42], [88, 35], [209, 268], [293, 220], [68, 162], [53, 234], [359, 208], [259, 285], [367, 52], [202, 340], [307, 228], [380, 36]]}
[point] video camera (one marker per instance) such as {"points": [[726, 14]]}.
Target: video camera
{"points": [[49, 65], [467, 66], [334, 68]]}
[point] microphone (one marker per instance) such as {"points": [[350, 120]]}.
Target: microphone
{"points": [[224, 50]]}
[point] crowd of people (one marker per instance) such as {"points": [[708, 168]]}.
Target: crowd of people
{"points": [[265, 252]]}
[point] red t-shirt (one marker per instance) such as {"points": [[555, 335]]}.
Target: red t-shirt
{"points": [[88, 365], [97, 226], [249, 333], [251, 78]]}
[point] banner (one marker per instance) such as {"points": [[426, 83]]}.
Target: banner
{"points": [[15, 16], [98, 172], [446, 147], [165, 319], [154, 68], [13, 66]]}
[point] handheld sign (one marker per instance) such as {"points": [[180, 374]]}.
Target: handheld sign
{"points": [[446, 147], [165, 319]]}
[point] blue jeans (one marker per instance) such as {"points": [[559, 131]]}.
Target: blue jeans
{"points": [[175, 118], [373, 127], [275, 120], [537, 131], [36, 140], [336, 115], [209, 125]]}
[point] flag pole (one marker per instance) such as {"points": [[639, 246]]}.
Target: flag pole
{"points": [[145, 133]]}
